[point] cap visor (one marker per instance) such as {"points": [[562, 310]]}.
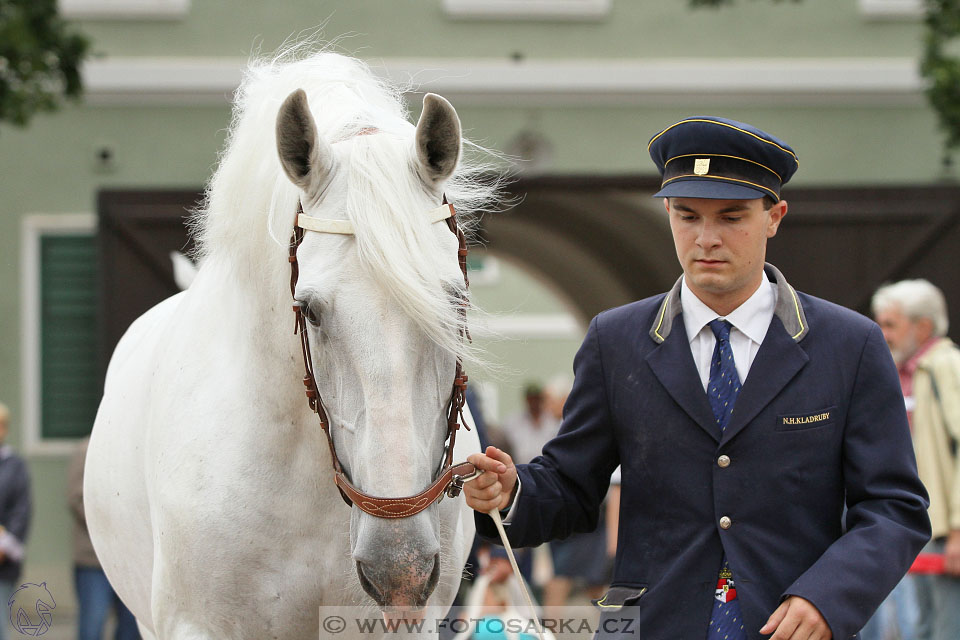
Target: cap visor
{"points": [[710, 189]]}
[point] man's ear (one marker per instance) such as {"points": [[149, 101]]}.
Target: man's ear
{"points": [[666, 204], [777, 213]]}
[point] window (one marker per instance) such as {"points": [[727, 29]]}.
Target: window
{"points": [[62, 383]]}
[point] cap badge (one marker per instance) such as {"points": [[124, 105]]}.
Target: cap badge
{"points": [[701, 166]]}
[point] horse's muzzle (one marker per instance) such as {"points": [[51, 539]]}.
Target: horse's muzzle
{"points": [[400, 586]]}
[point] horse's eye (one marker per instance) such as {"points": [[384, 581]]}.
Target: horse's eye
{"points": [[312, 317], [308, 313]]}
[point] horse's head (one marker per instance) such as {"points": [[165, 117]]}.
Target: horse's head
{"points": [[381, 296]]}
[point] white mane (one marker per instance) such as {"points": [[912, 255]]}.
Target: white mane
{"points": [[250, 204]]}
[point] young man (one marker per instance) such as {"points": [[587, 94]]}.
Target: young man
{"points": [[745, 416]]}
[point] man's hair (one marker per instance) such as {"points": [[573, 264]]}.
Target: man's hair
{"points": [[917, 299]]}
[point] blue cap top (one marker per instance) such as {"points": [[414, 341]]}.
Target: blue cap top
{"points": [[709, 157]]}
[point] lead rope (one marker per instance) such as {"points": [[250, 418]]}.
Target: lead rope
{"points": [[495, 514]]}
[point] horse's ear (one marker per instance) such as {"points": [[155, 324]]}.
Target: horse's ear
{"points": [[438, 139], [306, 158]]}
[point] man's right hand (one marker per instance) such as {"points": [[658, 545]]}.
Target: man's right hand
{"points": [[494, 488]]}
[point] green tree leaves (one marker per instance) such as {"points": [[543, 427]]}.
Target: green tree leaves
{"points": [[941, 65], [39, 59]]}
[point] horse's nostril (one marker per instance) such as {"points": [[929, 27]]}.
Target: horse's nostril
{"points": [[432, 581], [369, 587]]}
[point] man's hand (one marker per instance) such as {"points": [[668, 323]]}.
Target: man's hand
{"points": [[797, 619], [494, 488], [951, 553]]}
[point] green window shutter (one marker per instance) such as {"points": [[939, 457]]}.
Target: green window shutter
{"points": [[70, 380]]}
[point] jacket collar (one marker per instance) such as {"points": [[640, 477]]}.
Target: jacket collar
{"points": [[788, 309]]}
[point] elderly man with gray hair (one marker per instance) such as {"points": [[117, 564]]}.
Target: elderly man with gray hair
{"points": [[913, 317]]}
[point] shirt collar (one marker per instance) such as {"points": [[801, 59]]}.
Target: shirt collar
{"points": [[910, 366], [752, 318]]}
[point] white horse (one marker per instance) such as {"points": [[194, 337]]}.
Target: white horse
{"points": [[209, 489]]}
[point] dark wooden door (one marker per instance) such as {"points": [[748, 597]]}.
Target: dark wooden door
{"points": [[137, 231], [841, 244]]}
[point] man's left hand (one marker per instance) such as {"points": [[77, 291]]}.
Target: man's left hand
{"points": [[797, 619], [951, 554]]}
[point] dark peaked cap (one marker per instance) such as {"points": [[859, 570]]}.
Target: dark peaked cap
{"points": [[708, 157]]}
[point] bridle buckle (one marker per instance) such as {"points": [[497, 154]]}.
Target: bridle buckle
{"points": [[457, 482]]}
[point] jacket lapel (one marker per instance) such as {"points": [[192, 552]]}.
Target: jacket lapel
{"points": [[672, 363], [779, 359]]}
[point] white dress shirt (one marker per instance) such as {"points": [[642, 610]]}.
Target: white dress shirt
{"points": [[750, 323]]}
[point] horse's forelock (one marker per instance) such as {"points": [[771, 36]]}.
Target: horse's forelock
{"points": [[395, 244]]}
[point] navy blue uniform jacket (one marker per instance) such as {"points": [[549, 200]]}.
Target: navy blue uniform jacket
{"points": [[819, 424]]}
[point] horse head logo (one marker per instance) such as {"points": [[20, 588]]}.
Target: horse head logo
{"points": [[30, 607]]}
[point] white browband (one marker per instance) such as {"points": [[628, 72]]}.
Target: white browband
{"points": [[345, 227]]}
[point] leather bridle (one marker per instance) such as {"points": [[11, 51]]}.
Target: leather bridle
{"points": [[450, 477]]}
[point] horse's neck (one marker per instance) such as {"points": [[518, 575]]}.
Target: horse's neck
{"points": [[254, 330], [253, 309]]}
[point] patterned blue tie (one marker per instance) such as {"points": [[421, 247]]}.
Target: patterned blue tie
{"points": [[726, 621]]}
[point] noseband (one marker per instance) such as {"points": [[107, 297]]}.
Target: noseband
{"points": [[450, 477]]}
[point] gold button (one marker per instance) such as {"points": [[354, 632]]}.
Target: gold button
{"points": [[726, 522], [723, 461]]}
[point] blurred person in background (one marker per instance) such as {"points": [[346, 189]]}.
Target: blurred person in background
{"points": [[15, 512], [525, 433], [528, 430], [95, 596], [913, 317], [581, 560]]}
